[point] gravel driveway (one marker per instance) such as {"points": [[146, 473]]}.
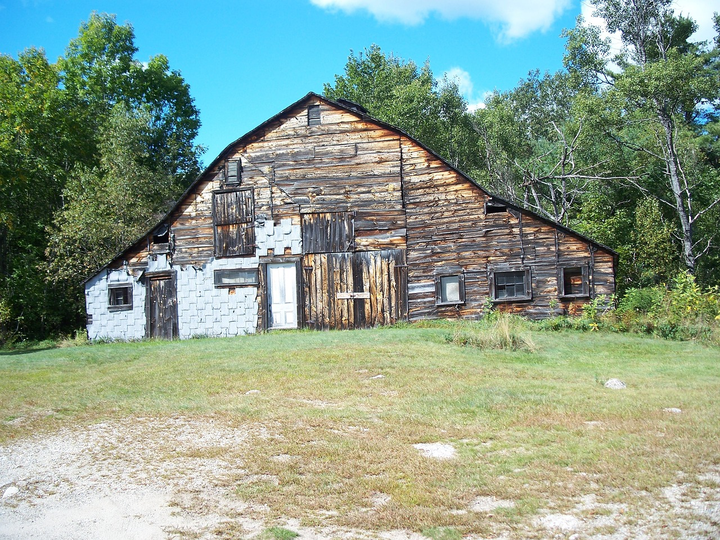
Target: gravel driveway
{"points": [[149, 478]]}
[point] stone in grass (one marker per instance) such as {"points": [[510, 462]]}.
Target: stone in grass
{"points": [[490, 504], [436, 450], [10, 492], [562, 522], [615, 384], [673, 410]]}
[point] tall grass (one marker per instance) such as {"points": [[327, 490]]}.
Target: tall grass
{"points": [[498, 331]]}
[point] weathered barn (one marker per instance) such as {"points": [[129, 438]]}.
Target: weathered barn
{"points": [[324, 217]]}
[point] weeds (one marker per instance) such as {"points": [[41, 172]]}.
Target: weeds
{"points": [[680, 312], [498, 331], [278, 533]]}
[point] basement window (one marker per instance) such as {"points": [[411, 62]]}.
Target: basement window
{"points": [[236, 277], [450, 290], [511, 286], [573, 282], [120, 297], [314, 115]]}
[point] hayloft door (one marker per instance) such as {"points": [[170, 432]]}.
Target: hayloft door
{"points": [[282, 295], [162, 307]]}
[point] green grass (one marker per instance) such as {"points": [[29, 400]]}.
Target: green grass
{"points": [[528, 426]]}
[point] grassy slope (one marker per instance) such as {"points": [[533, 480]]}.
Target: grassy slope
{"points": [[528, 426]]}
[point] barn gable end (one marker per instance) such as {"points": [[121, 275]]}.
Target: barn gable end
{"points": [[323, 217]]}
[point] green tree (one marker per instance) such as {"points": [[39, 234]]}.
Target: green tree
{"points": [[56, 123], [39, 142], [109, 205], [540, 147], [658, 98], [100, 70]]}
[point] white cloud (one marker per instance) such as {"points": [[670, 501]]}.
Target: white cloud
{"points": [[515, 18], [465, 85], [701, 11]]}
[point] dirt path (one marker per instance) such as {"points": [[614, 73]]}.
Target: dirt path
{"points": [[147, 478]]}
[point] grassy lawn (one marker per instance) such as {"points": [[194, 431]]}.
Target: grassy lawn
{"points": [[341, 412]]}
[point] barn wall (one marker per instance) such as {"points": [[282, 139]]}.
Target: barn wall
{"points": [[448, 232], [362, 177], [107, 324]]}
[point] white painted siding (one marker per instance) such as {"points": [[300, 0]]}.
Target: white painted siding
{"points": [[124, 324], [203, 309]]}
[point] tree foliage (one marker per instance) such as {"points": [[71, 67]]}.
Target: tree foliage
{"points": [[658, 98], [66, 131]]}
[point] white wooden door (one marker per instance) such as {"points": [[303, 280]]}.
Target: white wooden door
{"points": [[282, 295]]}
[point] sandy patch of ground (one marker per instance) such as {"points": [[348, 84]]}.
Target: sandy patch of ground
{"points": [[173, 478]]}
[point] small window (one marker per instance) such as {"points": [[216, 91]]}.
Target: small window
{"points": [[236, 278], [120, 297], [450, 290], [161, 235], [233, 170], [509, 286], [314, 115], [573, 281], [494, 207]]}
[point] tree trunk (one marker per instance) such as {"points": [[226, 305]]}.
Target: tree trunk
{"points": [[683, 203]]}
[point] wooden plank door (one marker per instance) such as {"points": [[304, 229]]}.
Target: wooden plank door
{"points": [[162, 307], [282, 295], [355, 290], [380, 287]]}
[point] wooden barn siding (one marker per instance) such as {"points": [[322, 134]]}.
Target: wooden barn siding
{"points": [[294, 169], [448, 232]]}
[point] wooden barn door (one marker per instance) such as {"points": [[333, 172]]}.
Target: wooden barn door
{"points": [[355, 290], [162, 307]]}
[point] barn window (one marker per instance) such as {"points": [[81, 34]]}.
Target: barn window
{"points": [[494, 207], [513, 285], [120, 297], [236, 277], [328, 232], [573, 282], [161, 235], [314, 115], [233, 223], [450, 290], [233, 171]]}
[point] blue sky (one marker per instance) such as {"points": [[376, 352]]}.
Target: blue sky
{"points": [[247, 60]]}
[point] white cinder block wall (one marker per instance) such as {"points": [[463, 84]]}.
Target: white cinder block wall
{"points": [[203, 309], [106, 324]]}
